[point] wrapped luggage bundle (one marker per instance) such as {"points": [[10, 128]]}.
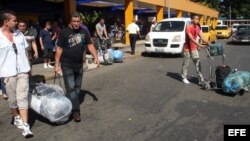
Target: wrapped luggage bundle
{"points": [[118, 55], [50, 102], [216, 49], [105, 58], [236, 81]]}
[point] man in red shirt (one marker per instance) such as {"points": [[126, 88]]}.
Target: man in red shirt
{"points": [[191, 49]]}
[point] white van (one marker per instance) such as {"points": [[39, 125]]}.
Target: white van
{"points": [[168, 36]]}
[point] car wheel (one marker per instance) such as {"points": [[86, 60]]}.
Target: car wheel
{"points": [[145, 54]]}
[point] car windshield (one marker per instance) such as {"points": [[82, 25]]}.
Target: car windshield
{"points": [[221, 28], [170, 26], [204, 29], [243, 27], [235, 26]]}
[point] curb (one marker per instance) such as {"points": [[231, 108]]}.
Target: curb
{"points": [[86, 69], [52, 76]]}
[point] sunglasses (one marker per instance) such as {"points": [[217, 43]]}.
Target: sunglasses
{"points": [[14, 47]]}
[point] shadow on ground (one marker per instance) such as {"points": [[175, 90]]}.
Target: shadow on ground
{"points": [[160, 55], [177, 76]]}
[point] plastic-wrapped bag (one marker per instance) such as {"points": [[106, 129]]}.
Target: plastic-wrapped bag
{"points": [[105, 58], [236, 81], [216, 49], [50, 102], [118, 55]]}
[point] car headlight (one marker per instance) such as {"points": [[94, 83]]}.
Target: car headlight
{"points": [[147, 38], [176, 38]]}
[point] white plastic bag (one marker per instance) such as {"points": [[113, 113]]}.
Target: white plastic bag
{"points": [[50, 102]]}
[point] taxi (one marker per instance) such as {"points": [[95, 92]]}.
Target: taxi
{"points": [[208, 34], [222, 31]]}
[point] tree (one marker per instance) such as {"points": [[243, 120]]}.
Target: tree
{"points": [[239, 8]]}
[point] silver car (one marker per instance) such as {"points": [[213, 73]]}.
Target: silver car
{"points": [[242, 35]]}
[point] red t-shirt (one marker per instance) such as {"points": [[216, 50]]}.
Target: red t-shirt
{"points": [[189, 44]]}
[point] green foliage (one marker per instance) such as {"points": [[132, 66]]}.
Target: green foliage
{"points": [[90, 18], [239, 8]]}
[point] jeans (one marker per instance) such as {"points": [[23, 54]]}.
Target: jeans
{"points": [[73, 82], [132, 38], [196, 60], [2, 86]]}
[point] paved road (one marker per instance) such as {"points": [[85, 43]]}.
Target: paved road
{"points": [[144, 100]]}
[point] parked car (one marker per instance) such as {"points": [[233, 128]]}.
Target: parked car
{"points": [[208, 33], [242, 35], [234, 27], [168, 36], [223, 31]]}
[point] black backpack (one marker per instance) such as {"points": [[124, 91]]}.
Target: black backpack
{"points": [[221, 73]]}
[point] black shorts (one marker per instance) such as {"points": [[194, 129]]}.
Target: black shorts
{"points": [[47, 53]]}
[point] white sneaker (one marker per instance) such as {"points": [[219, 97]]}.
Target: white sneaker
{"points": [[26, 131], [185, 81], [18, 122], [50, 66], [45, 66]]}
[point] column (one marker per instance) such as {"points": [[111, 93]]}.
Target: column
{"points": [[178, 13], [215, 22], [69, 8], [201, 20], [129, 7], [208, 21], [159, 13]]}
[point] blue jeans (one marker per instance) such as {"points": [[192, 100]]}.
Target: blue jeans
{"points": [[73, 82], [2, 86]]}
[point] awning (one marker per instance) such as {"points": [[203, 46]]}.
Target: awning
{"points": [[96, 3]]}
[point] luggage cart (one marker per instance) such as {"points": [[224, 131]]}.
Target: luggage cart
{"points": [[212, 51]]}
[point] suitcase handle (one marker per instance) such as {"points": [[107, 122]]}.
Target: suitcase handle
{"points": [[57, 76]]}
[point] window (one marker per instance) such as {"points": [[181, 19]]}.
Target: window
{"points": [[204, 29], [221, 28], [170, 26]]}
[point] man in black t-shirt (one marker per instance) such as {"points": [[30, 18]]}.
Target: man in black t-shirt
{"points": [[70, 48]]}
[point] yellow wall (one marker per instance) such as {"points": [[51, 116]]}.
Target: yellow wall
{"points": [[155, 2], [185, 5]]}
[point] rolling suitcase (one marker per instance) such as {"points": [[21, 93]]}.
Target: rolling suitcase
{"points": [[221, 73]]}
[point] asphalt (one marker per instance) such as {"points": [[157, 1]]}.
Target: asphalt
{"points": [[38, 71], [144, 99]]}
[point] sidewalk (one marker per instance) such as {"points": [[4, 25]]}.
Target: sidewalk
{"points": [[47, 74]]}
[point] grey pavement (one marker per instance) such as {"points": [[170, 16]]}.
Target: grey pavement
{"points": [[38, 69], [144, 99]]}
